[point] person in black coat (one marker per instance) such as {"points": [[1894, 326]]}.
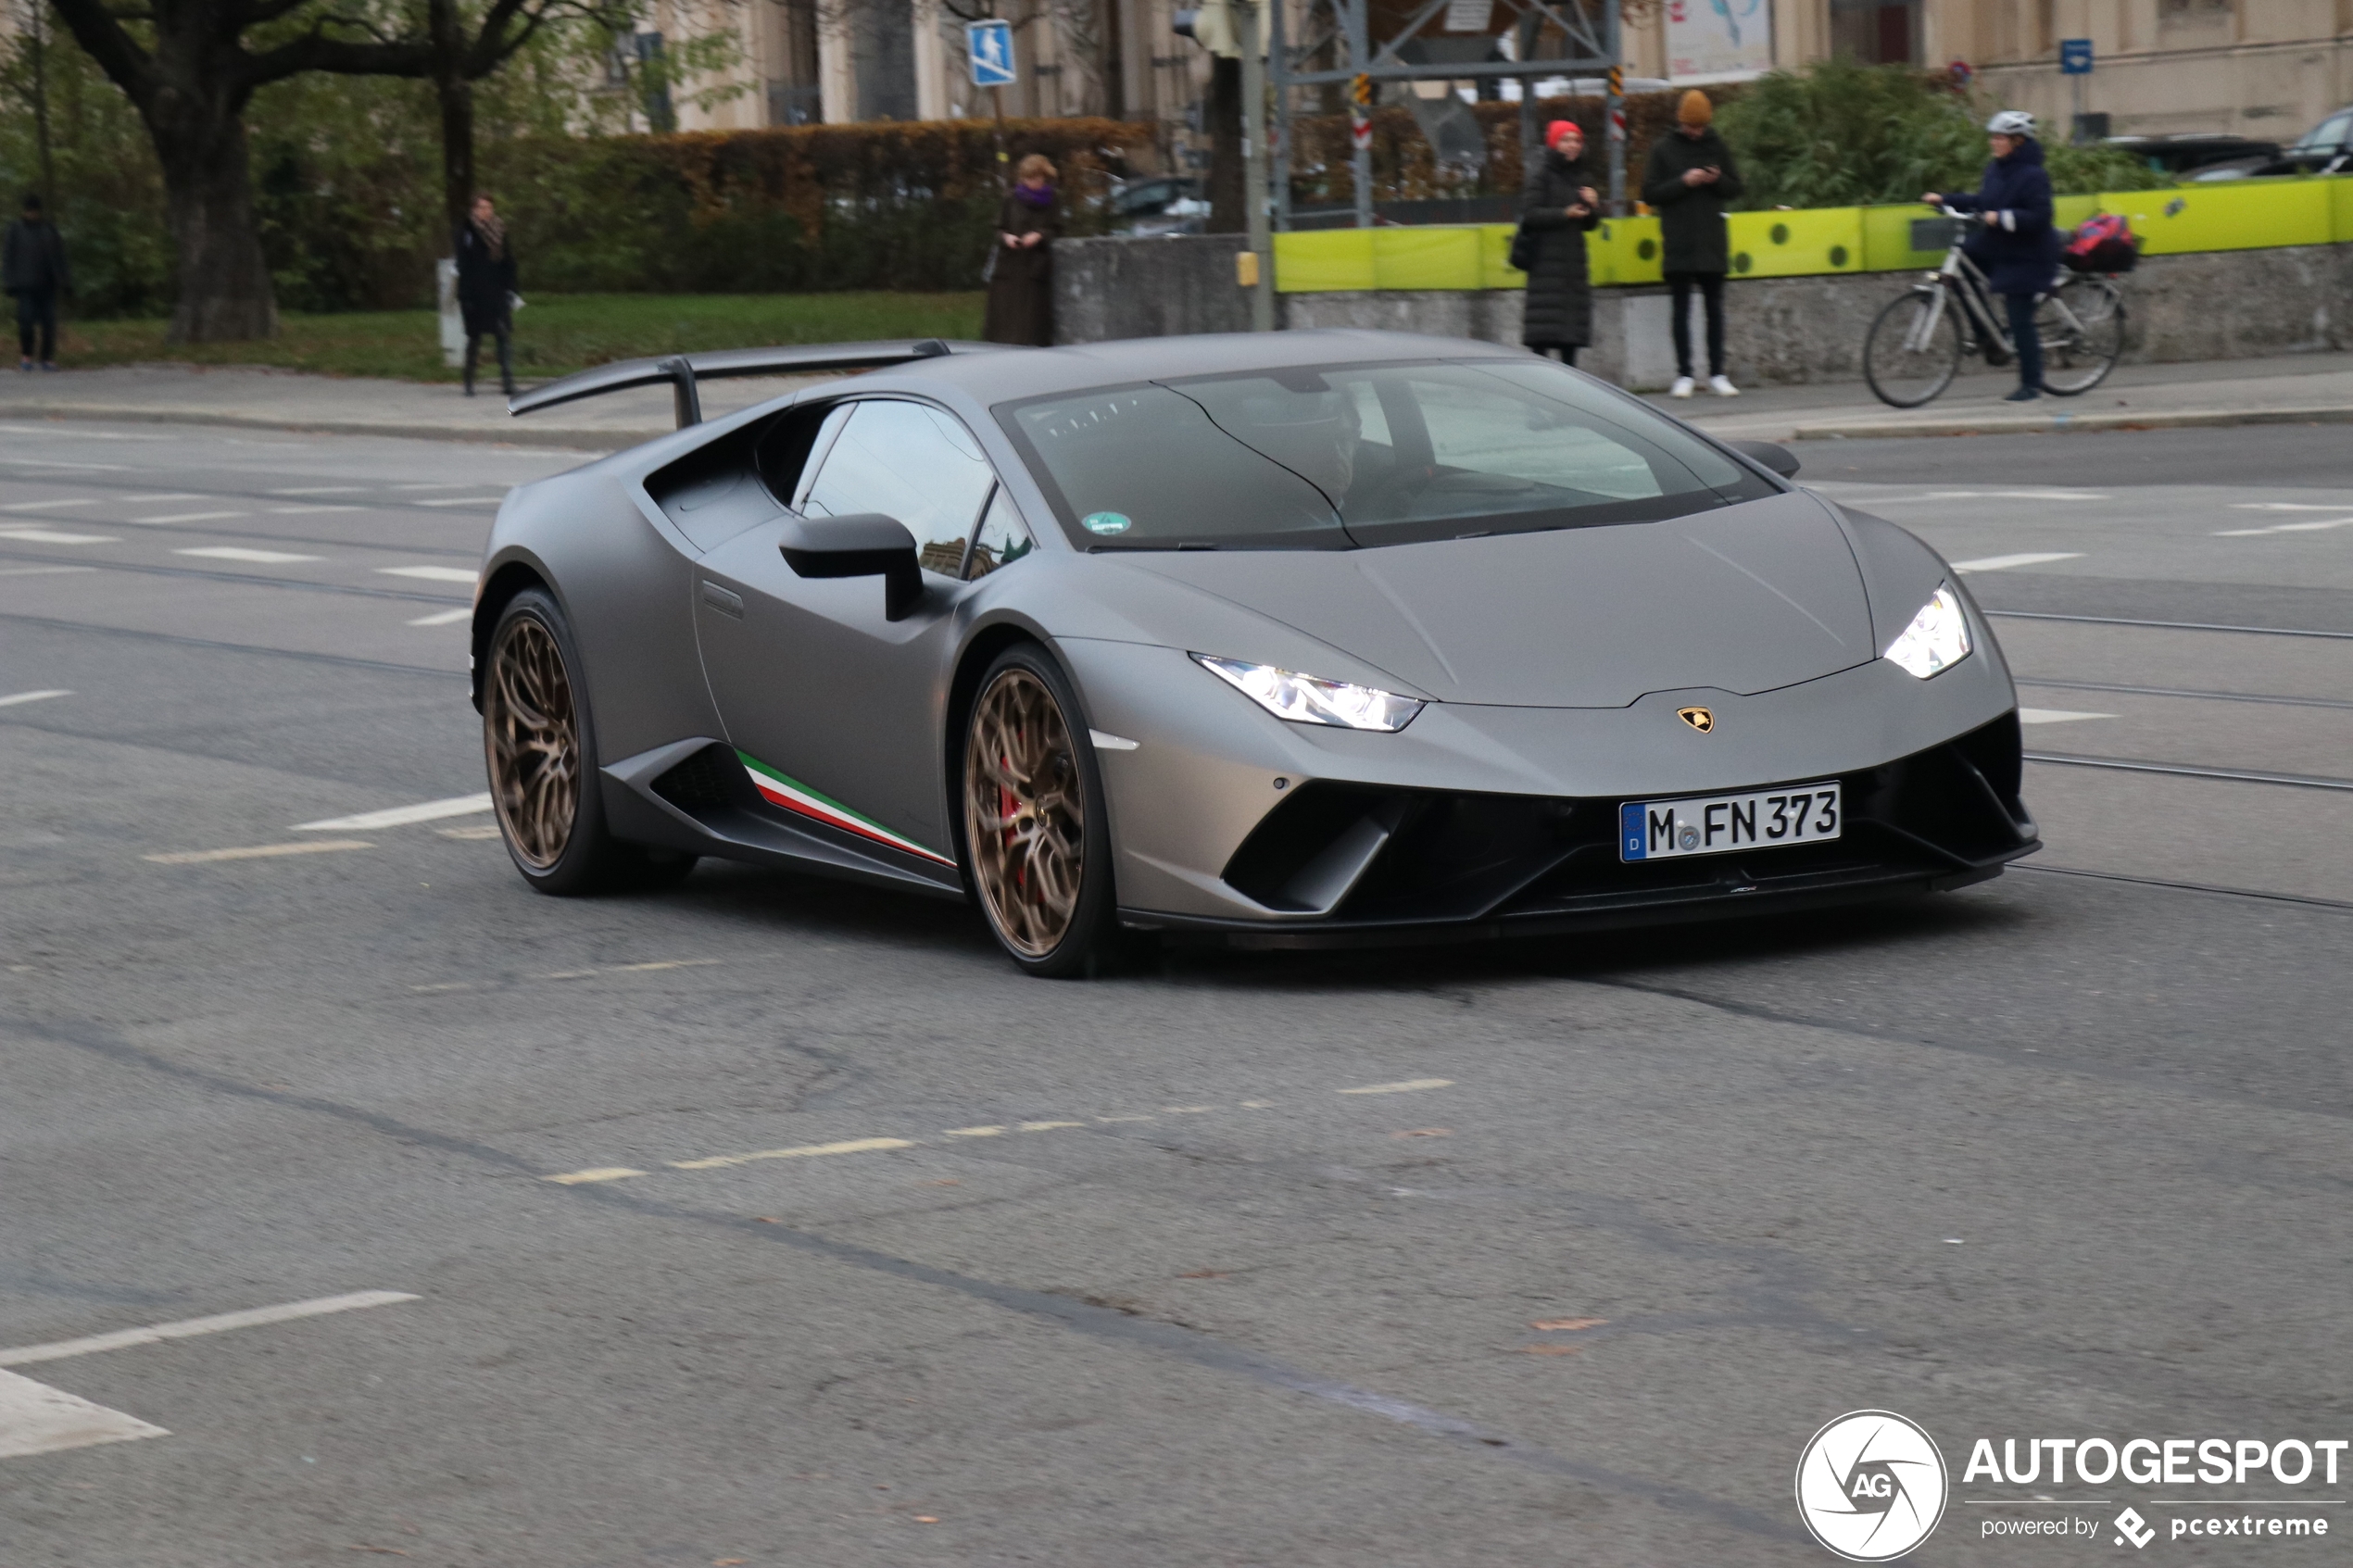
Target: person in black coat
{"points": [[2017, 249], [1021, 280], [1557, 209], [1689, 181], [33, 271], [486, 290]]}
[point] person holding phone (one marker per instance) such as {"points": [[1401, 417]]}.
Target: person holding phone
{"points": [[1558, 207], [1690, 179]]}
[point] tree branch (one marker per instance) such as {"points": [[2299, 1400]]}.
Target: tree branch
{"points": [[101, 35]]}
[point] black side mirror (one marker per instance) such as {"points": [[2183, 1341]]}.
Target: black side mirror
{"points": [[862, 544], [1770, 454]]}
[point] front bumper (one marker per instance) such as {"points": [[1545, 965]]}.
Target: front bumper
{"points": [[1369, 864]]}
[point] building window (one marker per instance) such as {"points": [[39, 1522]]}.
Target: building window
{"points": [[2194, 11], [1877, 33]]}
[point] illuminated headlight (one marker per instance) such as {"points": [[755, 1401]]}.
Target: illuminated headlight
{"points": [[1936, 640], [1304, 699]]}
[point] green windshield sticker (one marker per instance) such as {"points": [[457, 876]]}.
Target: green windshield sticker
{"points": [[1106, 522]]}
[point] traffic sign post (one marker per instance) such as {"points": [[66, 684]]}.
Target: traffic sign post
{"points": [[988, 45], [2075, 64]]}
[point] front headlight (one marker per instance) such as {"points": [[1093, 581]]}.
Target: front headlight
{"points": [[1304, 699], [1936, 640]]}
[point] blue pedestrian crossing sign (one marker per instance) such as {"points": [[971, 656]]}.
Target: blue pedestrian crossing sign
{"points": [[2075, 56], [990, 46]]}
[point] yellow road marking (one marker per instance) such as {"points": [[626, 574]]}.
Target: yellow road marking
{"points": [[855, 1145], [1408, 1086], [256, 852], [602, 1173]]}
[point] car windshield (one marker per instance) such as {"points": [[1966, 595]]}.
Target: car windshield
{"points": [[2327, 136], [1340, 455]]}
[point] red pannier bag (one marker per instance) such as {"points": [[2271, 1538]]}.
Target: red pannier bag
{"points": [[2104, 243]]}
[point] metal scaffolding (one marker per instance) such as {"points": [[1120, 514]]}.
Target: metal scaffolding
{"points": [[1589, 32]]}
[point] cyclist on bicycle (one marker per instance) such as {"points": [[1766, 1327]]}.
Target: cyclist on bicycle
{"points": [[2017, 249]]}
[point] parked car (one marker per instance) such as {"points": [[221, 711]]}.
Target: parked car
{"points": [[2327, 148], [2189, 151], [1159, 204]]}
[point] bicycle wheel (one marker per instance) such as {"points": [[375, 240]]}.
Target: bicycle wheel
{"points": [[1914, 349], [2082, 327]]}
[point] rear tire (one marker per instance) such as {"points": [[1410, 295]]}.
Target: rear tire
{"points": [[2080, 347], [1037, 838], [539, 744], [1903, 377]]}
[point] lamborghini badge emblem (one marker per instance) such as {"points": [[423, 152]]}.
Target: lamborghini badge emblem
{"points": [[1699, 718]]}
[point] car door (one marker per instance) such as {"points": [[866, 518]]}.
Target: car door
{"points": [[837, 708]]}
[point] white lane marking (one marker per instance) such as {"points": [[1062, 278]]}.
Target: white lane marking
{"points": [[1110, 743], [982, 1131], [2285, 528], [2285, 507], [466, 501], [191, 517], [2055, 715], [188, 1328], [430, 573], [52, 536], [31, 696], [153, 500], [37, 1419], [237, 552], [256, 851], [1407, 1086], [1997, 496], [1049, 1126], [2004, 563], [443, 486], [325, 490], [478, 831], [298, 511], [43, 505], [443, 617], [400, 816], [41, 571], [47, 463], [806, 1152], [601, 1174]]}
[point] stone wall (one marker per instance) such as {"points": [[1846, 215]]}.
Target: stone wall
{"points": [[2223, 305]]}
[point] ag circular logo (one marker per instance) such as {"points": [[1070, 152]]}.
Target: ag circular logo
{"points": [[1871, 1486]]}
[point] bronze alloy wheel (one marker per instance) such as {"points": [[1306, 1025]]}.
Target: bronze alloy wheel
{"points": [[533, 735], [1025, 813]]}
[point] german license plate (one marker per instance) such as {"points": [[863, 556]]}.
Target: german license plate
{"points": [[1717, 824]]}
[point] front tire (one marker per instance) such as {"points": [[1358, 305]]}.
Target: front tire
{"points": [[1904, 375], [1036, 839], [539, 743]]}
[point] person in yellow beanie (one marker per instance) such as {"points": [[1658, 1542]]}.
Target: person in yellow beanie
{"points": [[1690, 179]]}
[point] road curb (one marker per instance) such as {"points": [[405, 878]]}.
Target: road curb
{"points": [[521, 435], [2073, 424]]}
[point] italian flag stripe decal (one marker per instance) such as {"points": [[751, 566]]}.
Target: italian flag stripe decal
{"points": [[794, 796]]}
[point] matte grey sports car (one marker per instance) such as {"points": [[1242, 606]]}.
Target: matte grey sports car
{"points": [[1288, 639]]}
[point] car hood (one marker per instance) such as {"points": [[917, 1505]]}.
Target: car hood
{"points": [[1745, 599]]}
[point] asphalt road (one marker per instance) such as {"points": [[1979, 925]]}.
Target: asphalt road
{"points": [[1544, 1254]]}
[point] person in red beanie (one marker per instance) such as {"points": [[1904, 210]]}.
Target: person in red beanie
{"points": [[1557, 207]]}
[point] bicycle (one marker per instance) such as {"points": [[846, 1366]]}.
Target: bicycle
{"points": [[1915, 346]]}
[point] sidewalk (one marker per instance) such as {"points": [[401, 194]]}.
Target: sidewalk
{"points": [[2303, 388], [2289, 389], [349, 406]]}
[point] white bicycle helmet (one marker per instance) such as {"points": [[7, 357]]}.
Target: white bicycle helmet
{"points": [[2011, 122]]}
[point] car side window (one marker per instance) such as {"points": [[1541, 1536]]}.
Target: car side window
{"points": [[1003, 538], [910, 461]]}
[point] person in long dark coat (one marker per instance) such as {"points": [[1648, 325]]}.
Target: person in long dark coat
{"points": [[486, 289], [1690, 179], [1021, 287], [2019, 247], [1557, 209], [33, 273]]}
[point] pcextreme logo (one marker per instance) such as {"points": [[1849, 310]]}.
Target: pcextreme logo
{"points": [[1871, 1486]]}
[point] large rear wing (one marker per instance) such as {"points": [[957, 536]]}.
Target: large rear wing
{"points": [[683, 371]]}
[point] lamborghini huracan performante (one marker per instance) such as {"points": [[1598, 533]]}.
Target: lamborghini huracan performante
{"points": [[1286, 639]]}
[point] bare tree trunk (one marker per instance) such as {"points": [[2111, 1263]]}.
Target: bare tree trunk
{"points": [[457, 97], [1227, 213], [225, 294]]}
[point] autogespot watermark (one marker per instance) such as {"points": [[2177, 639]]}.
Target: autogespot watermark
{"points": [[1872, 1484]]}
